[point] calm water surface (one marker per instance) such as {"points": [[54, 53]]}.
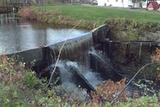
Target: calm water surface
{"points": [[25, 36]]}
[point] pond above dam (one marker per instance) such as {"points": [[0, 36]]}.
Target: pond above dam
{"points": [[25, 36]]}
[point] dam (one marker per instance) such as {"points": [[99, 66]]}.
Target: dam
{"points": [[87, 58]]}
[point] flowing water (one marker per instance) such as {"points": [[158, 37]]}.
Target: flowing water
{"points": [[78, 78], [77, 81]]}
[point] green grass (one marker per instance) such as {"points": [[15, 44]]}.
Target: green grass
{"points": [[89, 16], [101, 14]]}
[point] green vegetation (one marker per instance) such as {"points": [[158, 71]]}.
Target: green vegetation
{"points": [[100, 14], [92, 14], [19, 87], [128, 30]]}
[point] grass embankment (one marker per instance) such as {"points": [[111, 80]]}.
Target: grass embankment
{"points": [[88, 16], [19, 87], [124, 24]]}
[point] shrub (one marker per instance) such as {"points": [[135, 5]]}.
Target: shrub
{"points": [[30, 79]]}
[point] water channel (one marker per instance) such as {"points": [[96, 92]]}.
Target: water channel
{"points": [[18, 37]]}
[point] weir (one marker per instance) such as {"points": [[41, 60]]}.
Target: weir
{"points": [[85, 61], [126, 56], [74, 50], [130, 54]]}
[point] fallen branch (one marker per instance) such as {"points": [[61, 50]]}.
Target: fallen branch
{"points": [[117, 96], [59, 54]]}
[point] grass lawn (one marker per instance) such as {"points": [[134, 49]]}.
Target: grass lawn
{"points": [[100, 14]]}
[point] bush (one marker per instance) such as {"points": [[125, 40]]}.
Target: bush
{"points": [[11, 97], [30, 79]]}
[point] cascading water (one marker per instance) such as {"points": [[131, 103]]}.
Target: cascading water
{"points": [[103, 64], [74, 49], [82, 68], [73, 78], [93, 78], [78, 78]]}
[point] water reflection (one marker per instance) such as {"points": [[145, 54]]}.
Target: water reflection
{"points": [[15, 38]]}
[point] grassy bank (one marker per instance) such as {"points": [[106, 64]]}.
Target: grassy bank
{"points": [[100, 14], [124, 24], [90, 16]]}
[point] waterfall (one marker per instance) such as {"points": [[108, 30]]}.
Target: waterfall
{"points": [[103, 65], [74, 49], [77, 81], [72, 71]]}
